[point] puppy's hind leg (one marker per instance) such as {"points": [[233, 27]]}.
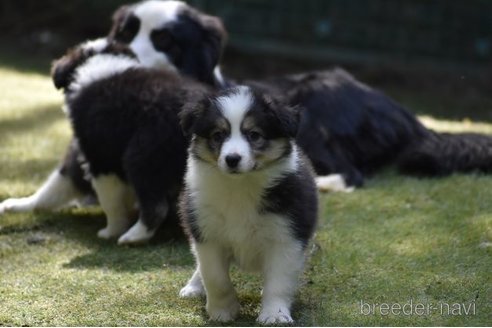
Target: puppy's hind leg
{"points": [[57, 191], [151, 217], [117, 201], [155, 171], [194, 287]]}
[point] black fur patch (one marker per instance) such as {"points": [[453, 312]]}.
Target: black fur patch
{"points": [[200, 39], [125, 25], [128, 125], [277, 119], [188, 217], [346, 127], [71, 166], [295, 196], [441, 154], [194, 41]]}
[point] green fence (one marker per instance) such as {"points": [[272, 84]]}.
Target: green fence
{"points": [[346, 30], [360, 30]]}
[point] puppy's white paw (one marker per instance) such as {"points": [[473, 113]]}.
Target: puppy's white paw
{"points": [[191, 291], [224, 314], [137, 234], [333, 182], [107, 233], [275, 316], [17, 205]]}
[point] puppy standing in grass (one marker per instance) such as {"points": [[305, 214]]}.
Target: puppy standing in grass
{"points": [[249, 197]]}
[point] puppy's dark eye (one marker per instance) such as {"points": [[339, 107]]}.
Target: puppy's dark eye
{"points": [[217, 136], [162, 39], [254, 136]]}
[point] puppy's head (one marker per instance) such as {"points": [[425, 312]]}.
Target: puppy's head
{"points": [[170, 34], [241, 130], [63, 69]]}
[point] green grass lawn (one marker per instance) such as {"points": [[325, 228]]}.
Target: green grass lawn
{"points": [[397, 240]]}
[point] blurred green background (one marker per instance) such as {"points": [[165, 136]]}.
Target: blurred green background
{"points": [[350, 31], [439, 49]]}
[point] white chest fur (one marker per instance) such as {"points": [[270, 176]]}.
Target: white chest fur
{"points": [[229, 212]]}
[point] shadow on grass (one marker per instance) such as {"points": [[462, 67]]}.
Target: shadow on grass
{"points": [[168, 246], [37, 118]]}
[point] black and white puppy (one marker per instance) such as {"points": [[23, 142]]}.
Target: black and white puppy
{"points": [[163, 34], [172, 34], [348, 129], [125, 121], [249, 198]]}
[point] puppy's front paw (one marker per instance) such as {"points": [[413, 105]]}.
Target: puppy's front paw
{"points": [[224, 314], [275, 316], [190, 291]]}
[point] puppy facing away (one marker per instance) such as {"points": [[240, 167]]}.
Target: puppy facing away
{"points": [[249, 198], [169, 35], [125, 121]]}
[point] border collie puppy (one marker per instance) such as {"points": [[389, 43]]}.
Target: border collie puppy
{"points": [[249, 198], [163, 34], [347, 127], [348, 130], [172, 34], [125, 121]]}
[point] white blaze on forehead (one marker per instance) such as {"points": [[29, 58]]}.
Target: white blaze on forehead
{"points": [[154, 13], [234, 108], [235, 105]]}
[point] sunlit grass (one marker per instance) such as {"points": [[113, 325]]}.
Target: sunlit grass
{"points": [[398, 239]]}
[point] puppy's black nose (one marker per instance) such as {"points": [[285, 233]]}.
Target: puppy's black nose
{"points": [[233, 160]]}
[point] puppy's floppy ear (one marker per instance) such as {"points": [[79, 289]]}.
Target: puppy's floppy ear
{"points": [[201, 62], [62, 69], [118, 18], [286, 116], [192, 112], [217, 37]]}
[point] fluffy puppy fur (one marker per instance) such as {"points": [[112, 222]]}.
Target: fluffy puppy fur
{"points": [[172, 34], [125, 121], [441, 154], [348, 129], [164, 34], [249, 198], [352, 129]]}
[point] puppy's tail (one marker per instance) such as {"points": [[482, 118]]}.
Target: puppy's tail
{"points": [[440, 154]]}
